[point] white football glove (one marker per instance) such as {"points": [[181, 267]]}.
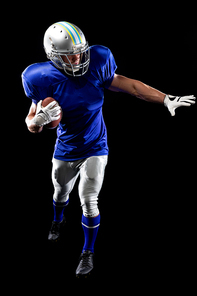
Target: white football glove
{"points": [[45, 115], [172, 102]]}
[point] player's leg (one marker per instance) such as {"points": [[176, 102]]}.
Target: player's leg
{"points": [[64, 176], [91, 180]]}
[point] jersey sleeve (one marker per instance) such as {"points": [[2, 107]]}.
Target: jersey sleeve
{"points": [[34, 89], [108, 70], [30, 90]]}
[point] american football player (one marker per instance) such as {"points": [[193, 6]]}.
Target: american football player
{"points": [[76, 77]]}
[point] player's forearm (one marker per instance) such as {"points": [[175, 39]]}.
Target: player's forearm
{"points": [[146, 92], [136, 88]]}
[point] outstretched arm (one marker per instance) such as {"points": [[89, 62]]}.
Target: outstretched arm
{"points": [[137, 89], [148, 93]]}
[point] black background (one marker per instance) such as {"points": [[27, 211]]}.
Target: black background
{"points": [[147, 201]]}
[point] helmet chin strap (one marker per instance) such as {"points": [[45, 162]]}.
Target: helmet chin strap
{"points": [[74, 70]]}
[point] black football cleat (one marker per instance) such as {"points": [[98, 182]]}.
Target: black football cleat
{"points": [[85, 264], [55, 231]]}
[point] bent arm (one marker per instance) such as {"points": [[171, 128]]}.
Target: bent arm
{"points": [[33, 128], [136, 88]]}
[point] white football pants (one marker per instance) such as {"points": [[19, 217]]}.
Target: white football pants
{"points": [[91, 171]]}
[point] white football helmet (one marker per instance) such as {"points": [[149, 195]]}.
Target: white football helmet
{"points": [[63, 39]]}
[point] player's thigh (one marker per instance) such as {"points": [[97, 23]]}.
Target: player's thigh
{"points": [[63, 175], [91, 176]]}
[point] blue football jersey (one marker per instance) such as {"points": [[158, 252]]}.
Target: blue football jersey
{"points": [[82, 131]]}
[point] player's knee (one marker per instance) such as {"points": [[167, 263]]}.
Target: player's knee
{"points": [[90, 209], [60, 195]]}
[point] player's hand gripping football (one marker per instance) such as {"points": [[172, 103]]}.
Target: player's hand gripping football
{"points": [[172, 102], [45, 115]]}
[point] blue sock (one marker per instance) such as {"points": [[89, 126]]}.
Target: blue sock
{"points": [[90, 228], [58, 208]]}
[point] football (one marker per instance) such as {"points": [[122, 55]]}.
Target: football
{"points": [[52, 124]]}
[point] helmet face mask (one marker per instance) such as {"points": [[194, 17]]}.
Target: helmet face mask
{"points": [[65, 39]]}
